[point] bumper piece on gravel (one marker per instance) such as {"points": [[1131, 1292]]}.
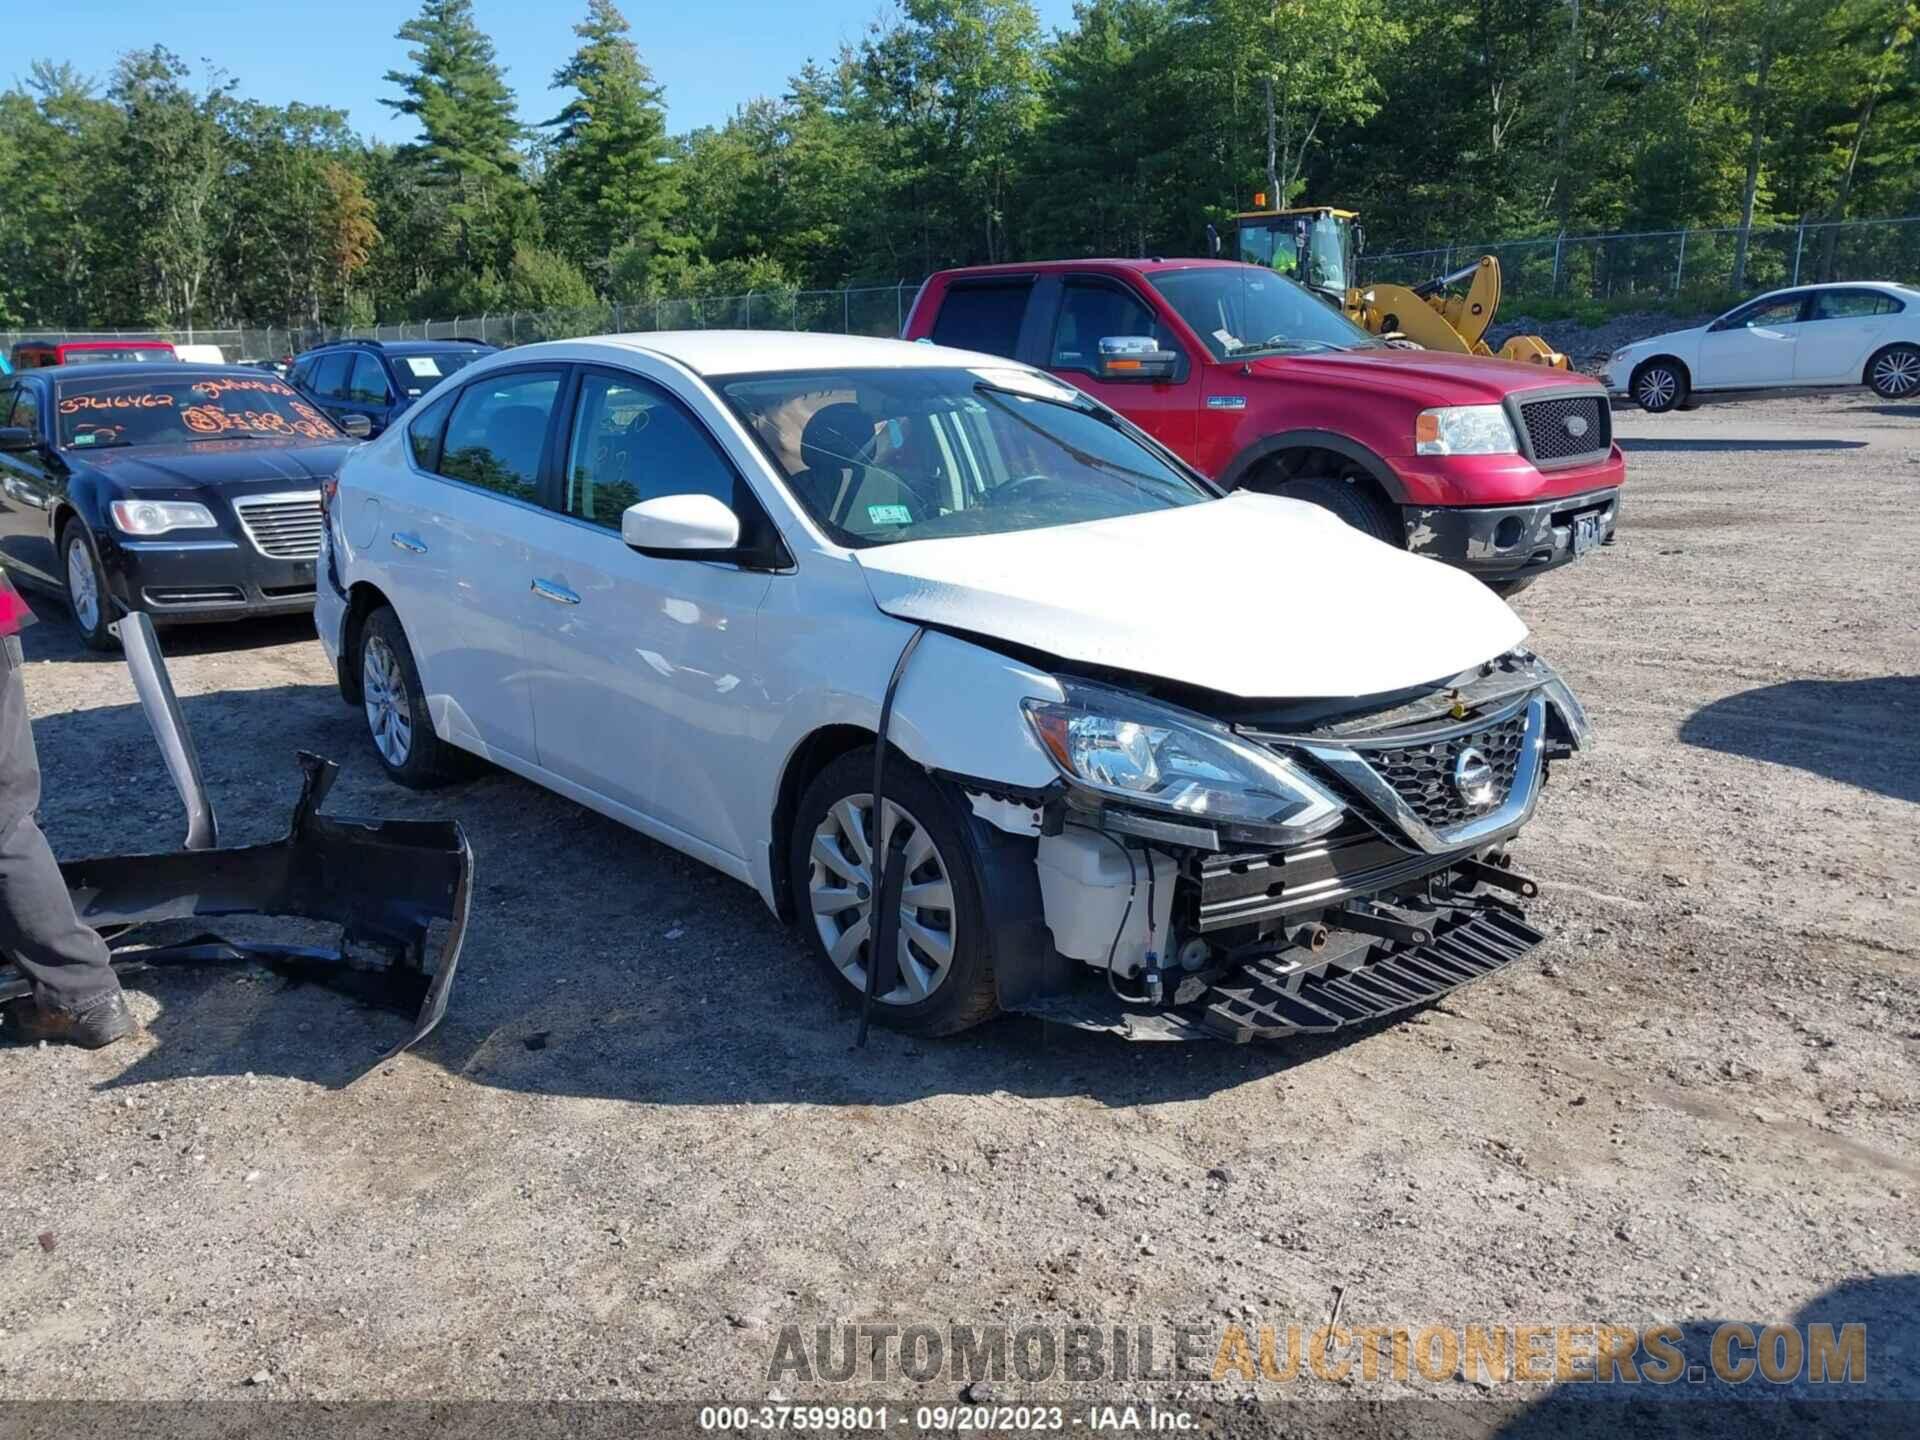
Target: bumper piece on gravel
{"points": [[385, 883]]}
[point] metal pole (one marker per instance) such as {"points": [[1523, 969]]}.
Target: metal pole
{"points": [[1799, 239], [846, 311], [899, 317], [1680, 267]]}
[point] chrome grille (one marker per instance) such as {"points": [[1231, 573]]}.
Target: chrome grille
{"points": [[1550, 425], [1422, 774], [286, 527]]}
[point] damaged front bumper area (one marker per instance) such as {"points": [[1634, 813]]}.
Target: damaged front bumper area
{"points": [[1508, 542], [386, 884], [1202, 934]]}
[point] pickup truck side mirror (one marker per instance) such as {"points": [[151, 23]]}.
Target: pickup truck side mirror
{"points": [[684, 527], [1136, 357], [16, 438]]}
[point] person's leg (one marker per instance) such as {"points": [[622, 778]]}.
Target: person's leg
{"points": [[76, 994]]}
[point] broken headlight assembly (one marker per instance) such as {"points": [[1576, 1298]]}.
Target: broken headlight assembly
{"points": [[1464, 430], [1139, 753]]}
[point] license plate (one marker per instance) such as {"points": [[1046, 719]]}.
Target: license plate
{"points": [[1586, 533]]}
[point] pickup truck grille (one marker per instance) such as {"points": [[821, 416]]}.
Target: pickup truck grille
{"points": [[1567, 428], [1423, 775], [286, 527]]}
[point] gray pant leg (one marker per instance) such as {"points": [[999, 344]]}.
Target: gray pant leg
{"points": [[64, 958]]}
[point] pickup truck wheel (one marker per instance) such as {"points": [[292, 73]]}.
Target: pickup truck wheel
{"points": [[945, 979], [1507, 589], [396, 709], [1360, 508], [1658, 386]]}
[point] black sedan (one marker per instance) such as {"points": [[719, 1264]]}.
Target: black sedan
{"points": [[191, 492]]}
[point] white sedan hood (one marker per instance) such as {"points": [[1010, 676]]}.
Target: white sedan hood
{"points": [[1250, 596]]}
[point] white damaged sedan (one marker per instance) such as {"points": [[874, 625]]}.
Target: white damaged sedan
{"points": [[1157, 760]]}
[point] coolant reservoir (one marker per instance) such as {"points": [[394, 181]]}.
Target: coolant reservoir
{"points": [[1085, 884]]}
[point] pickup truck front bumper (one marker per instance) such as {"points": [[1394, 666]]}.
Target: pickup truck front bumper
{"points": [[1506, 542]]}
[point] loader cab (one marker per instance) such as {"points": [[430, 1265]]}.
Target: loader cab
{"points": [[1316, 246]]}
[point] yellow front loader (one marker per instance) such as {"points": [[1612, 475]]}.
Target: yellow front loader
{"points": [[1316, 246]]}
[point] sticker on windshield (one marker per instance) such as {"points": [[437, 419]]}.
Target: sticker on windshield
{"points": [[424, 366], [889, 515]]}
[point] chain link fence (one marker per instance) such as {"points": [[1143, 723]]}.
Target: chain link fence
{"points": [[879, 310], [1667, 264], [1659, 265]]}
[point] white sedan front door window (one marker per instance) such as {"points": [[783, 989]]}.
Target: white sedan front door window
{"points": [[644, 678], [1752, 347]]}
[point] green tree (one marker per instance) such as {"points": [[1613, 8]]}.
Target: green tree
{"points": [[465, 109], [171, 164], [609, 181]]}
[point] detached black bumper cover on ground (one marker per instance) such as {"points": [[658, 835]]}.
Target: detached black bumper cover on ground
{"points": [[384, 882]]}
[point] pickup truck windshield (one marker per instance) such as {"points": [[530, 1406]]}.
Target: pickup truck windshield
{"points": [[1240, 311], [175, 409], [882, 456]]}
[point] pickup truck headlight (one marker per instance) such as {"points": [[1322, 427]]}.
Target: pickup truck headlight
{"points": [[1464, 430], [156, 517], [1129, 748]]}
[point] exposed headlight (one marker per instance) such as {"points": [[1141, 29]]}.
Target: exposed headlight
{"points": [[156, 517], [1464, 430], [1155, 756]]}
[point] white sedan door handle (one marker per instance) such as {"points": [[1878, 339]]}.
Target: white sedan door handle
{"points": [[412, 544], [554, 591]]}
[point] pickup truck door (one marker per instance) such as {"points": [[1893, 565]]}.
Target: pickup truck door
{"points": [[1754, 346], [1842, 328], [1091, 308]]}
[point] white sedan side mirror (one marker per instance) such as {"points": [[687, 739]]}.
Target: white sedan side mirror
{"points": [[687, 526]]}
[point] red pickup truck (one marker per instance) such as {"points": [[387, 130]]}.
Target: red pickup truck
{"points": [[1503, 469]]}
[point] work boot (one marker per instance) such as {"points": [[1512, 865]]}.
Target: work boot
{"points": [[95, 1027]]}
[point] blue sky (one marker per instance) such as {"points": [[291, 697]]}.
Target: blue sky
{"points": [[710, 56]]}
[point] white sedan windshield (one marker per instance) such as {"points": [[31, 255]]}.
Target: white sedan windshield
{"points": [[881, 456]]}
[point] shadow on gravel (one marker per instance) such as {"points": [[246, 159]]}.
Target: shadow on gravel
{"points": [[1882, 1400], [1680, 446], [54, 638], [1860, 732]]}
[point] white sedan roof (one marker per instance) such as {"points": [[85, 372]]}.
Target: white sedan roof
{"points": [[752, 352]]}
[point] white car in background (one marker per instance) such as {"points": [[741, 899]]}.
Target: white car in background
{"points": [[1806, 337], [1160, 760]]}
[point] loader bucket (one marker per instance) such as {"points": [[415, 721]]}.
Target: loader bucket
{"points": [[383, 882]]}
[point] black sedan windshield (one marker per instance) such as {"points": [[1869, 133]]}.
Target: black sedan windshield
{"points": [[881, 456], [1242, 310], [174, 408]]}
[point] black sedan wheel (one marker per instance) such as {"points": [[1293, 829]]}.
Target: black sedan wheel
{"points": [[87, 594]]}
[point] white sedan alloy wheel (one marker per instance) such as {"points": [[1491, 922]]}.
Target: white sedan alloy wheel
{"points": [[841, 885], [389, 715]]}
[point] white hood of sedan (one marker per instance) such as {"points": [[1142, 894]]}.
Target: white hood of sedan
{"points": [[1251, 596]]}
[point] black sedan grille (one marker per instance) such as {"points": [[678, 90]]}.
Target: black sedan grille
{"points": [[286, 527], [1568, 428], [1424, 775]]}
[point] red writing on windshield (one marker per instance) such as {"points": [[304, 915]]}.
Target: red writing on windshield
{"points": [[212, 420], [74, 404], [214, 389]]}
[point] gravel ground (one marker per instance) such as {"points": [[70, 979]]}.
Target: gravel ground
{"points": [[642, 1143]]}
